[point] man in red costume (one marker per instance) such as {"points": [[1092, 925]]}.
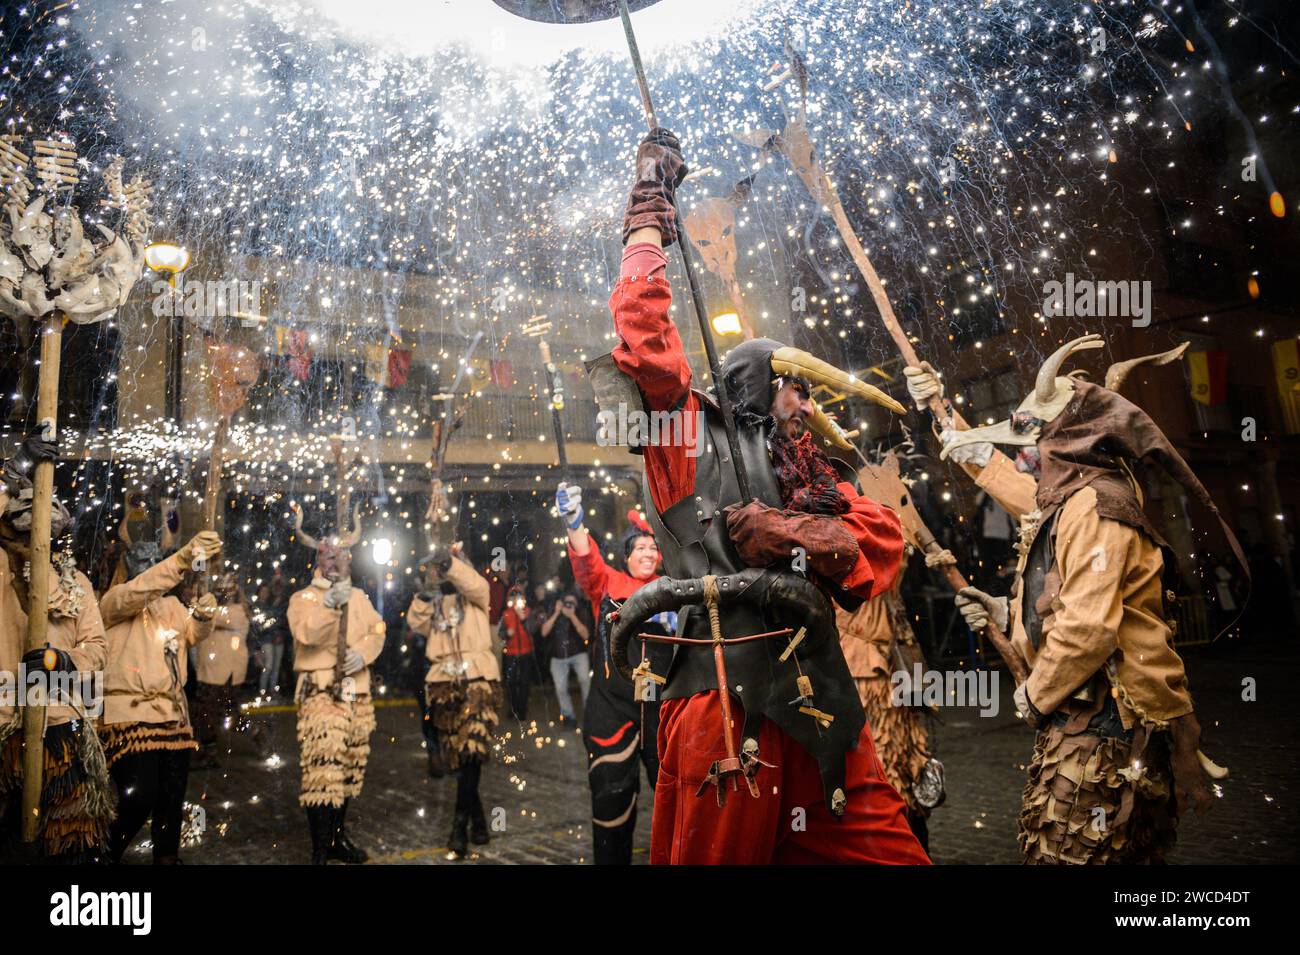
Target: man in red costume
{"points": [[816, 789], [621, 718]]}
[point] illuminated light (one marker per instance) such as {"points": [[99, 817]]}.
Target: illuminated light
{"points": [[166, 257], [726, 323], [1276, 205], [382, 550]]}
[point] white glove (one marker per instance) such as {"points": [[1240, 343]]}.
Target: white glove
{"points": [[205, 608], [205, 545], [1025, 708], [980, 609], [338, 595], [922, 384], [353, 662], [568, 501], [977, 454]]}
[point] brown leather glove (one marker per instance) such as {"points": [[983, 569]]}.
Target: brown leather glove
{"points": [[1189, 778], [659, 171], [764, 535]]}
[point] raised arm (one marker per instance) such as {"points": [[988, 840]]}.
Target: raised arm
{"points": [[650, 350], [124, 601]]}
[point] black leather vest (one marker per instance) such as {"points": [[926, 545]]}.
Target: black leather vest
{"points": [[693, 540]]}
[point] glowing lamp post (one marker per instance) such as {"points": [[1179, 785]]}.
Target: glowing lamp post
{"points": [[727, 323]]}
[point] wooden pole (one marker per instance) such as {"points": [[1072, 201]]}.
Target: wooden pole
{"points": [[47, 412], [821, 187], [555, 394], [697, 299], [212, 491]]}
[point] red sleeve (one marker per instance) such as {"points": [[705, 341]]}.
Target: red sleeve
{"points": [[650, 352], [597, 578], [880, 545], [590, 572]]}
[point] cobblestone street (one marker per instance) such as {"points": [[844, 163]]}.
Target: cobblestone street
{"points": [[403, 816]]}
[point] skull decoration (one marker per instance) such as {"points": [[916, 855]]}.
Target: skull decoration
{"points": [[47, 260]]}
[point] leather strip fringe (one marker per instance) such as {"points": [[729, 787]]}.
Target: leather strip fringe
{"points": [[465, 718]]}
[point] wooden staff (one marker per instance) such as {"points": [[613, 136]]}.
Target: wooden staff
{"points": [[537, 327], [38, 592], [212, 491], [341, 521], [883, 483], [797, 147]]}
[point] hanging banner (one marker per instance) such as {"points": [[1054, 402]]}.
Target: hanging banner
{"points": [[399, 367], [1286, 368], [377, 364], [1209, 376]]}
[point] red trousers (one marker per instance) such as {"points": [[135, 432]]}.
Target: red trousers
{"points": [[788, 824]]}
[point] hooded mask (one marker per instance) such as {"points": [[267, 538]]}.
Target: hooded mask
{"points": [[1086, 435], [140, 557], [17, 514], [145, 547]]}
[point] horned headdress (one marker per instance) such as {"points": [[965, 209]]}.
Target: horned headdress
{"points": [[329, 548]]}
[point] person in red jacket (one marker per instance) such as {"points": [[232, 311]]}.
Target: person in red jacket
{"points": [[518, 631], [621, 718], [816, 789]]}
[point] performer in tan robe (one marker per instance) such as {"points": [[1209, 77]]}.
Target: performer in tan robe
{"points": [[1117, 754], [146, 728], [221, 665], [335, 713], [77, 802], [463, 685]]}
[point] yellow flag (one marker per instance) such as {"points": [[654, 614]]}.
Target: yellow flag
{"points": [[377, 364], [1286, 367]]}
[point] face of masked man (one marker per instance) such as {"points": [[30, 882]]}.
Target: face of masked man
{"points": [[333, 562], [792, 407]]}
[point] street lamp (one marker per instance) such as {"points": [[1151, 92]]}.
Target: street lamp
{"points": [[726, 323], [166, 257], [172, 259]]}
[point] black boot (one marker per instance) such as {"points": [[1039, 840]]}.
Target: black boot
{"points": [[478, 827], [343, 848], [320, 823], [437, 762], [458, 841]]}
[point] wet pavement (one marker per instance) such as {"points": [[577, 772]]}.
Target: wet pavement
{"points": [[536, 790]]}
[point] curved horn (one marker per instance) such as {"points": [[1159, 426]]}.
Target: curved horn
{"points": [[828, 428], [1045, 386], [354, 538], [1119, 371], [303, 537], [782, 592], [124, 533], [659, 595], [797, 362]]}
